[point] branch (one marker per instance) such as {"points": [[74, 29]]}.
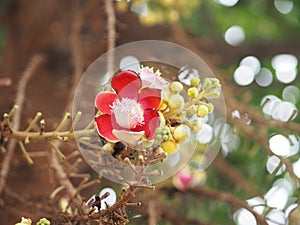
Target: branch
{"points": [[176, 218], [151, 212], [222, 196], [233, 174], [229, 198], [111, 36], [232, 104], [33, 65], [78, 70]]}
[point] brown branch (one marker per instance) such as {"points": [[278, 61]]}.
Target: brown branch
{"points": [[233, 174], [33, 65], [46, 136], [151, 212], [229, 198], [222, 196], [78, 70], [232, 104], [111, 36], [176, 218]]}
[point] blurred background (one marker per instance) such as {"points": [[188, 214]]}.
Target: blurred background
{"points": [[253, 47]]}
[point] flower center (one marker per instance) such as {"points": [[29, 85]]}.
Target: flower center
{"points": [[128, 112]]}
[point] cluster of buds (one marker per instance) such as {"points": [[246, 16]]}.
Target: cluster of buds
{"points": [[28, 221], [182, 111]]}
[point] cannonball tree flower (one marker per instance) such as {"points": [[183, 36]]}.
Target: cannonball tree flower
{"points": [[151, 78], [129, 112]]}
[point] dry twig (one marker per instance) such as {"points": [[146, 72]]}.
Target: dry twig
{"points": [[33, 65]]}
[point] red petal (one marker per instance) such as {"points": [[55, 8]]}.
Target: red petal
{"points": [[104, 127], [127, 84], [150, 98], [152, 120], [104, 100]]}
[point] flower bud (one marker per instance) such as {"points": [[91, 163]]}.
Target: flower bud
{"points": [[177, 101], [192, 110], [43, 221], [193, 92], [182, 133], [176, 86], [196, 126], [169, 147], [210, 84], [195, 81], [25, 221], [202, 111], [210, 107]]}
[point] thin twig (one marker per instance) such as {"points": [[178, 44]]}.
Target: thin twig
{"points": [[111, 36], [222, 196], [33, 65], [78, 70], [229, 198], [151, 212], [234, 174]]}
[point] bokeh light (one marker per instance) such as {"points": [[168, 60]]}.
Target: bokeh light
{"points": [[228, 3], [244, 217], [243, 75], [284, 6], [235, 35], [129, 63], [252, 62], [273, 163], [264, 78], [276, 217], [285, 66], [258, 204], [279, 145], [291, 94], [110, 200]]}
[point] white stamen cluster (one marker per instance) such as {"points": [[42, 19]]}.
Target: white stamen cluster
{"points": [[128, 112]]}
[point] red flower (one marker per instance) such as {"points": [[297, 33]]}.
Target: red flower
{"points": [[130, 112]]}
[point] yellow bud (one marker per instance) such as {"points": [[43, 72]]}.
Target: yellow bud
{"points": [[122, 6], [196, 126], [25, 221], [182, 133], [210, 107], [202, 111], [192, 110], [176, 86], [173, 16], [193, 92], [149, 20], [163, 106], [195, 81], [177, 101], [147, 143], [169, 147]]}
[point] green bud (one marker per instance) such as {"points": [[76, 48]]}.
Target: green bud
{"points": [[176, 86], [166, 137], [214, 94], [202, 111], [159, 137], [210, 107], [195, 81], [43, 221], [158, 130], [193, 92], [196, 126], [192, 110], [210, 84]]}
